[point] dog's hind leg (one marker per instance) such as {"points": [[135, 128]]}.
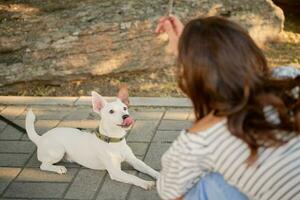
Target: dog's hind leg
{"points": [[49, 155]]}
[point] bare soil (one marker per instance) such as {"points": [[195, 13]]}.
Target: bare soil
{"points": [[155, 82]]}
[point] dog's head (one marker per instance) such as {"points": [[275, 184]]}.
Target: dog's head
{"points": [[115, 112]]}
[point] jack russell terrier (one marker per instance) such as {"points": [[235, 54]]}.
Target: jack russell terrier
{"points": [[105, 149]]}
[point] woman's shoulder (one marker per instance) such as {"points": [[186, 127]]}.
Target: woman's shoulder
{"points": [[202, 133], [207, 124]]}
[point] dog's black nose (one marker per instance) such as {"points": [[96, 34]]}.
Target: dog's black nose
{"points": [[125, 116]]}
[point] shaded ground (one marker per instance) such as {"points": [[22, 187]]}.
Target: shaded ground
{"points": [[160, 82], [21, 178]]}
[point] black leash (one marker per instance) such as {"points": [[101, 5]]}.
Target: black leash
{"points": [[11, 123]]}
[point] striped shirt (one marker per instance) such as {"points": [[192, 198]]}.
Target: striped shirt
{"points": [[275, 175]]}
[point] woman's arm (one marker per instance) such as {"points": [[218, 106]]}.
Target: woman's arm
{"points": [[182, 166], [173, 27]]}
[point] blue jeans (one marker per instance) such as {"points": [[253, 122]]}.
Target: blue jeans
{"points": [[214, 187], [285, 72]]}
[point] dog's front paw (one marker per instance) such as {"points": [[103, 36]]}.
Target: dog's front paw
{"points": [[148, 185], [156, 175], [61, 170]]}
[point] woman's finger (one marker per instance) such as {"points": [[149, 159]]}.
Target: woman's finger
{"points": [[174, 21], [159, 28], [169, 29], [162, 19], [177, 24]]}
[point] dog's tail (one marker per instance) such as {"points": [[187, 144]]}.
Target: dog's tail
{"points": [[32, 134]]}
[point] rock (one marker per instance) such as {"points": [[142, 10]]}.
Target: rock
{"points": [[60, 40]]}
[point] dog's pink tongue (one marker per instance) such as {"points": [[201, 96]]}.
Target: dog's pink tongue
{"points": [[128, 121]]}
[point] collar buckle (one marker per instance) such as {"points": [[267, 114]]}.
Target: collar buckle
{"points": [[107, 139]]}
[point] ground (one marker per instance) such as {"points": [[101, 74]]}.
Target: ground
{"points": [[156, 82], [20, 177]]}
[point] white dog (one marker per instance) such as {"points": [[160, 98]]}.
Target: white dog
{"points": [[105, 149]]}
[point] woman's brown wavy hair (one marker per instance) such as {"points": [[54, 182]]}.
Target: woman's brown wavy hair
{"points": [[223, 71]]}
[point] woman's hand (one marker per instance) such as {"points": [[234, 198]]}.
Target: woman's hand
{"points": [[173, 27]]}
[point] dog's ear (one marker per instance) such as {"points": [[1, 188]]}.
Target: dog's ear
{"points": [[123, 94], [98, 102]]}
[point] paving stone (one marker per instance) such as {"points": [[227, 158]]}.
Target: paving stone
{"points": [[16, 147], [23, 100], [79, 114], [146, 115], [33, 162], [174, 125], [94, 116], [20, 122], [86, 100], [155, 153], [36, 190], [145, 176], [114, 190], [35, 174], [139, 149], [12, 112], [142, 131], [8, 173], [42, 126], [88, 124], [143, 101], [177, 114], [85, 184], [139, 193], [3, 187], [25, 138], [2, 107], [54, 108], [13, 160], [127, 166], [48, 110], [160, 101], [2, 125], [10, 133], [45, 114], [147, 109], [165, 136]]}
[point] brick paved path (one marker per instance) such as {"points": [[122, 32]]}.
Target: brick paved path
{"points": [[21, 178]]}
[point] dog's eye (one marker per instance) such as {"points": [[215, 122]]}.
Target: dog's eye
{"points": [[111, 111], [125, 108]]}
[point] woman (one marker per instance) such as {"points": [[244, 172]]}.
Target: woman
{"points": [[247, 123]]}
